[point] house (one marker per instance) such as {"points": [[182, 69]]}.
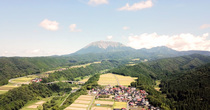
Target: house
{"points": [[36, 80]]}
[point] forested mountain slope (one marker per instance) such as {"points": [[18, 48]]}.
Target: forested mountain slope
{"points": [[162, 68], [189, 90], [16, 67], [185, 87]]}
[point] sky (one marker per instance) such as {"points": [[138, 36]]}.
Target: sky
{"points": [[58, 27]]}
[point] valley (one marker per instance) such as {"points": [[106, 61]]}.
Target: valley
{"points": [[113, 77]]}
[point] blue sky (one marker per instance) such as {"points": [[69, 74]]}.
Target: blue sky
{"points": [[56, 27]]}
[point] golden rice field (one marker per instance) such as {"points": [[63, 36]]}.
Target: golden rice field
{"points": [[125, 80], [109, 79], [81, 103], [120, 105]]}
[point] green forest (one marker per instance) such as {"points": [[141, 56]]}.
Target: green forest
{"points": [[184, 81]]}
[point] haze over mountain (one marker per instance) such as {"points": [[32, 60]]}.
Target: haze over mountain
{"points": [[104, 46], [116, 48]]}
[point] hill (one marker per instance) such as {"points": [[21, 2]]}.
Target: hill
{"points": [[161, 68], [189, 90], [17, 66], [103, 46]]}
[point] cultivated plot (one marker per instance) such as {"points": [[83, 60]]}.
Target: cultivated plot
{"points": [[107, 79], [119, 105], [113, 79], [125, 80], [82, 103]]}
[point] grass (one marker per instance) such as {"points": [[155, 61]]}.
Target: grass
{"points": [[3, 91], [24, 79], [33, 102], [16, 82], [120, 105], [157, 85]]}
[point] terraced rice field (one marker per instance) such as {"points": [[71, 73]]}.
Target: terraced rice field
{"points": [[125, 80], [82, 103], [107, 79], [104, 102], [113, 79], [101, 108]]}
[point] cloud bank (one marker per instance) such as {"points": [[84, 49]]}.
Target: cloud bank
{"points": [[179, 42], [109, 37], [49, 25], [125, 28], [73, 28], [204, 26], [137, 6], [98, 2]]}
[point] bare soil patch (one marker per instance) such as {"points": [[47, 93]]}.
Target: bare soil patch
{"points": [[104, 102], [101, 108], [82, 101], [40, 102], [78, 105], [74, 108], [33, 106]]}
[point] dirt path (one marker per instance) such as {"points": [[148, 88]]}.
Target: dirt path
{"points": [[91, 103], [117, 80]]}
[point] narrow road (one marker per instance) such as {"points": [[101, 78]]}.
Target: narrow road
{"points": [[65, 99], [117, 80], [72, 91], [91, 103]]}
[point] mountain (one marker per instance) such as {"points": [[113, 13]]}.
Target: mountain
{"points": [[104, 46]]}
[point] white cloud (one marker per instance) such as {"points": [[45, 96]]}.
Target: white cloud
{"points": [[109, 37], [98, 2], [137, 6], [179, 42], [125, 28], [73, 28], [204, 26], [49, 25]]}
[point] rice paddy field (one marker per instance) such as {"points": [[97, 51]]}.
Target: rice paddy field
{"points": [[107, 79], [125, 80], [113, 79], [82, 103], [120, 105]]}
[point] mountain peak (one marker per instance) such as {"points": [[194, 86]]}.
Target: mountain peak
{"points": [[105, 44]]}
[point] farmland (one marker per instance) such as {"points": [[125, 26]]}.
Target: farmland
{"points": [[35, 104], [16, 82], [82, 103], [113, 79]]}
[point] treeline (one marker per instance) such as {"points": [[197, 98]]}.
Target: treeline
{"points": [[91, 83], [17, 67], [189, 90], [164, 69], [18, 97], [72, 73]]}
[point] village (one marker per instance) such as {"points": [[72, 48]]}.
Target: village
{"points": [[135, 99]]}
